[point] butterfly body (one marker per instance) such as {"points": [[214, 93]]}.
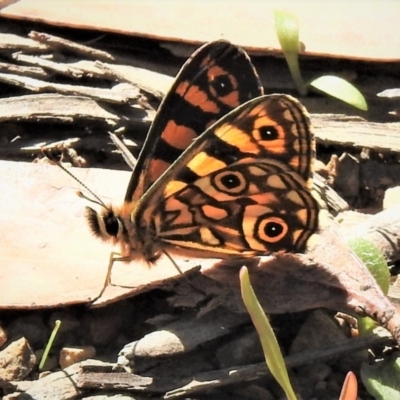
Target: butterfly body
{"points": [[224, 172]]}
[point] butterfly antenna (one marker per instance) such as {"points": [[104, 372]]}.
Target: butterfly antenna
{"points": [[96, 199]]}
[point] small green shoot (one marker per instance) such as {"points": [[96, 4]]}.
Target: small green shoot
{"points": [[272, 352], [287, 30], [57, 325]]}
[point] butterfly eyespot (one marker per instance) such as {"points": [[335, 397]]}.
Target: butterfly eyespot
{"points": [[230, 182], [268, 133], [222, 85], [272, 229]]}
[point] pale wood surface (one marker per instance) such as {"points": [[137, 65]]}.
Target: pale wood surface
{"points": [[349, 29], [48, 256]]}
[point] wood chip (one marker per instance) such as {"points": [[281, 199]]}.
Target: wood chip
{"points": [[55, 107], [9, 41], [119, 94], [57, 43], [356, 132]]}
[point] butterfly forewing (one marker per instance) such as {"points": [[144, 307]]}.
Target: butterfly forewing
{"points": [[275, 127], [242, 187], [216, 79]]}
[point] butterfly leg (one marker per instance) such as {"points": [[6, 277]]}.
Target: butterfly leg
{"points": [[189, 283], [173, 262], [114, 256]]}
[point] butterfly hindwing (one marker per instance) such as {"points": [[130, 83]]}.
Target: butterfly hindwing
{"points": [[249, 208], [242, 188], [216, 79]]}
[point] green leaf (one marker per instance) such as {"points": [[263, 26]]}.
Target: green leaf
{"points": [[341, 89], [373, 259], [272, 352], [382, 379]]}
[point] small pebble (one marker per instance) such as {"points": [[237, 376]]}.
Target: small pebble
{"points": [[391, 198], [3, 336], [72, 355], [16, 360]]}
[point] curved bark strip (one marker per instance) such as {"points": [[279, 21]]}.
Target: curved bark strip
{"points": [[328, 275]]}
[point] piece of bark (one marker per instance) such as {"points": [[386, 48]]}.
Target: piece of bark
{"points": [[53, 66], [394, 292], [59, 385], [57, 43], [105, 377], [347, 220], [329, 195], [35, 72], [54, 107], [152, 82], [184, 335], [12, 42], [331, 129], [155, 83], [328, 275], [119, 94], [80, 68], [390, 93]]}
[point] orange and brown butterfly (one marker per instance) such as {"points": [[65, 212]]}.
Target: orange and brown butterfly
{"points": [[224, 171]]}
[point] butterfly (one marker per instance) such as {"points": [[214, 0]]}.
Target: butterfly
{"points": [[225, 171]]}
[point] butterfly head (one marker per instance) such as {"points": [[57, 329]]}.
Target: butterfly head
{"points": [[115, 226], [106, 225]]}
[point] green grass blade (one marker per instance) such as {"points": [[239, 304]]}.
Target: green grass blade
{"points": [[57, 325], [272, 352]]}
